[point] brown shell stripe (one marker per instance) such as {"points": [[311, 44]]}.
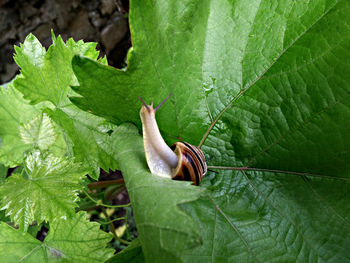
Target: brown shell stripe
{"points": [[196, 165], [200, 156], [187, 170]]}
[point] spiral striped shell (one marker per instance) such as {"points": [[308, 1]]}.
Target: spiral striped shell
{"points": [[191, 163]]}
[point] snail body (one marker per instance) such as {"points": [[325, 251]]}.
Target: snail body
{"points": [[180, 161]]}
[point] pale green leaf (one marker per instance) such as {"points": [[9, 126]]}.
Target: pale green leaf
{"points": [[13, 112], [15, 115], [73, 240], [47, 189], [79, 240], [90, 137], [16, 246], [3, 172], [47, 76], [38, 132]]}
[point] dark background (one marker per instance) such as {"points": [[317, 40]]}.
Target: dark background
{"points": [[101, 21]]}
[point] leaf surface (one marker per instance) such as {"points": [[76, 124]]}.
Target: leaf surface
{"points": [[73, 240], [254, 216], [47, 77], [3, 172], [21, 128], [263, 87], [46, 190], [161, 225], [132, 253], [39, 132]]}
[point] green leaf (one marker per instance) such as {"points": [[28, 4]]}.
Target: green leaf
{"points": [[16, 245], [17, 116], [253, 216], [132, 253], [90, 137], [46, 191], [79, 240], [263, 86], [294, 115], [3, 172], [13, 112], [47, 76], [73, 240], [161, 225], [34, 229], [39, 132]]}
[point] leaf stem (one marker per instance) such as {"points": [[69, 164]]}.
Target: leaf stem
{"points": [[95, 207], [111, 221], [102, 184], [126, 222], [114, 231], [104, 205]]}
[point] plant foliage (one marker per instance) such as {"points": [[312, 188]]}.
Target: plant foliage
{"points": [[261, 86], [74, 240], [45, 190]]}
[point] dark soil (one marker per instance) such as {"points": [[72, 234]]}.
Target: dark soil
{"points": [[103, 21]]}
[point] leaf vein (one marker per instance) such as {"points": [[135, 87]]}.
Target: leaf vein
{"points": [[242, 91]]}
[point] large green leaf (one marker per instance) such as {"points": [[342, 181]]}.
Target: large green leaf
{"points": [[264, 88], [160, 225], [23, 127], [73, 240], [254, 216], [47, 189], [47, 76]]}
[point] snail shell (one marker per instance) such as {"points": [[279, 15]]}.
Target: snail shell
{"points": [[191, 163], [181, 161]]}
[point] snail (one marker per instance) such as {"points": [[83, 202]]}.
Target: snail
{"points": [[180, 161]]}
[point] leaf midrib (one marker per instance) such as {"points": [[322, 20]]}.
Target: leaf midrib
{"points": [[286, 172], [249, 85], [217, 208]]}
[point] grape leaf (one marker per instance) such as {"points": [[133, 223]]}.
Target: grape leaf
{"points": [[15, 245], [73, 240], [132, 253], [47, 77], [47, 190], [88, 133], [39, 132], [17, 116], [263, 87], [160, 225], [3, 172], [272, 217]]}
